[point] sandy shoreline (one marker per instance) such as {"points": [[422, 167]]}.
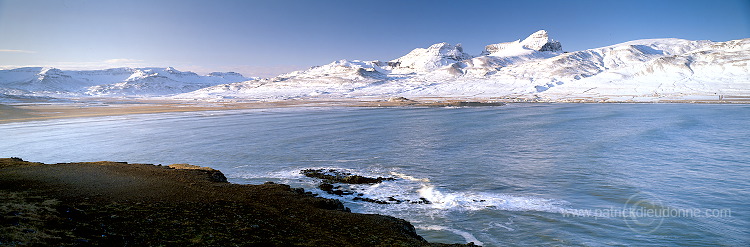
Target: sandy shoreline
{"points": [[45, 111], [33, 111]]}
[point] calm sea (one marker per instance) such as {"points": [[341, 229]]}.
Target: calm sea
{"points": [[521, 174]]}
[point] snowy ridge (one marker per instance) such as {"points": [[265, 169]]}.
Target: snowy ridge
{"points": [[426, 60], [532, 68], [36, 81], [538, 41], [336, 78]]}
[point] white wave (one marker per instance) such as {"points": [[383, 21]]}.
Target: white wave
{"points": [[466, 235], [503, 225], [281, 175], [407, 193], [488, 201], [286, 174], [407, 177]]}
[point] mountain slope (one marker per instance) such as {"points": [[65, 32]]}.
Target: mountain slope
{"points": [[532, 68], [37, 81]]}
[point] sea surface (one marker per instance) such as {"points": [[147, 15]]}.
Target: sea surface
{"points": [[515, 175]]}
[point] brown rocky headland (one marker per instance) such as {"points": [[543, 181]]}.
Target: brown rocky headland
{"points": [[120, 204]]}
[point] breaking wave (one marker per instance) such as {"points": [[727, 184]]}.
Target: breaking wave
{"points": [[407, 191], [466, 235]]}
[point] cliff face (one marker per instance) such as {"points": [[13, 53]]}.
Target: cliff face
{"points": [[116, 203]]}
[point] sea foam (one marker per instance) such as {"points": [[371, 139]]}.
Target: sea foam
{"points": [[410, 191]]}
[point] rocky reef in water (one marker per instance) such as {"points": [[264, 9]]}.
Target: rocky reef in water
{"points": [[332, 177], [121, 204]]}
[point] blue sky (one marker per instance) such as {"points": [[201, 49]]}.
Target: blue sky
{"points": [[269, 37]]}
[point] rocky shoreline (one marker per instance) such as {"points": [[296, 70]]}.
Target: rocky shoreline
{"points": [[332, 177], [121, 204]]}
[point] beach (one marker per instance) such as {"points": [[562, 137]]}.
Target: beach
{"points": [[32, 110], [39, 110]]}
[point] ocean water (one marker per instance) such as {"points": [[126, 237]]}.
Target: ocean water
{"points": [[521, 174]]}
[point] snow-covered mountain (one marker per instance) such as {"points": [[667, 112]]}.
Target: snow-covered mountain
{"points": [[533, 68], [36, 81]]}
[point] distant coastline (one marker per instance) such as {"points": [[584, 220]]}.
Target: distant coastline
{"points": [[34, 110]]}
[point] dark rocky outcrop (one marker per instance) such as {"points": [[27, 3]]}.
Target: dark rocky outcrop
{"points": [[121, 204], [399, 99], [336, 176], [210, 174], [551, 46], [332, 176]]}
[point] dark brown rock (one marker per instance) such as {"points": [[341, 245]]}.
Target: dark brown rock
{"points": [[118, 204], [335, 176]]}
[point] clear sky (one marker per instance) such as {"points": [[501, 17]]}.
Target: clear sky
{"points": [[264, 38]]}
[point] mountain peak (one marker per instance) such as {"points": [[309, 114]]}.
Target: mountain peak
{"points": [[537, 41], [540, 41], [539, 34], [433, 57], [445, 50], [49, 81], [49, 70]]}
